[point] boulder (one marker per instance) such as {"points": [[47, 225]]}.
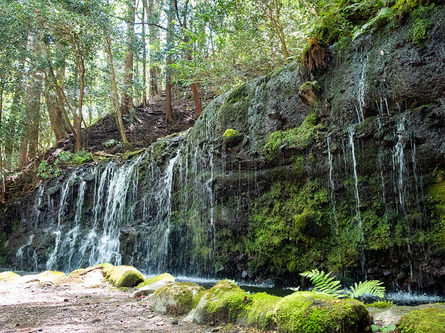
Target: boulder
{"points": [[151, 288], [125, 276], [175, 298], [423, 321], [220, 304], [162, 277]]}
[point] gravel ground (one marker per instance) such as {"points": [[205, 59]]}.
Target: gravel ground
{"points": [[44, 307]]}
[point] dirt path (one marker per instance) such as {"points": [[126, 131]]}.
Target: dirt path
{"points": [[36, 307]]}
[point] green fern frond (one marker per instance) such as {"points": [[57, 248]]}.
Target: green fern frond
{"points": [[324, 283], [371, 288]]}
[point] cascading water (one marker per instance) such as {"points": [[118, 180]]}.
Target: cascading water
{"points": [[331, 180], [357, 199], [399, 162]]}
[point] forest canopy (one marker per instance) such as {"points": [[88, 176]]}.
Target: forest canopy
{"points": [[64, 64]]}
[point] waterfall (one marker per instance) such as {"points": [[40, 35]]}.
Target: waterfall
{"points": [[331, 181], [399, 162], [361, 92], [357, 200]]}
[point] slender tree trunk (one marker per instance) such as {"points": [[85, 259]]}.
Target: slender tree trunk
{"points": [[120, 123], [78, 118], [168, 63], [30, 140], [144, 61], [55, 115], [196, 99], [127, 100], [153, 39], [2, 174]]}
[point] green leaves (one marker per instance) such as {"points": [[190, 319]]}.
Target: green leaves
{"points": [[371, 288], [325, 283]]}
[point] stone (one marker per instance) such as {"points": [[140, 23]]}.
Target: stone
{"points": [[162, 277], [125, 276], [174, 298], [150, 288], [232, 137]]}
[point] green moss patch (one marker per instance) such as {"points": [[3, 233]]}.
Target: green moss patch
{"points": [[232, 137], [294, 138], [260, 311], [175, 299], [422, 321], [161, 277], [311, 312], [125, 276]]}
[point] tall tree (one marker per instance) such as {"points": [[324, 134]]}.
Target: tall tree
{"points": [[117, 109], [169, 62], [127, 99]]}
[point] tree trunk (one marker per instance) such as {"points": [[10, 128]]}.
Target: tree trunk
{"points": [[127, 100], [197, 99], [168, 63], [2, 175], [144, 60], [30, 140], [120, 123], [154, 37]]}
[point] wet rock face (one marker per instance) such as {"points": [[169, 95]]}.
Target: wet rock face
{"points": [[354, 185]]}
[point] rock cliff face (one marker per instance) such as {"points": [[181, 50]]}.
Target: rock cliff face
{"points": [[354, 183]]}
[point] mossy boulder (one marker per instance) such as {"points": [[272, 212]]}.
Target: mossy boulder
{"points": [[175, 298], [125, 276], [232, 137], [423, 321], [221, 304], [161, 277], [260, 311], [8, 276], [312, 312]]}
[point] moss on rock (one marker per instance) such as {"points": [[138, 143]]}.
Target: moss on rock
{"points": [[294, 138], [125, 276], [175, 299], [161, 277], [8, 276], [220, 304], [232, 137], [260, 311], [312, 312], [422, 321]]}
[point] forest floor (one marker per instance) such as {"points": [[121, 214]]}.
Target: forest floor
{"points": [[44, 307], [143, 126]]}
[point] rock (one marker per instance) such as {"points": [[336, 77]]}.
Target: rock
{"points": [[125, 276], [244, 274], [312, 312], [8, 276], [150, 288], [220, 304], [174, 298], [424, 320], [232, 137], [161, 277]]}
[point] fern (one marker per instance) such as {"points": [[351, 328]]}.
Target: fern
{"points": [[324, 283], [371, 288]]}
